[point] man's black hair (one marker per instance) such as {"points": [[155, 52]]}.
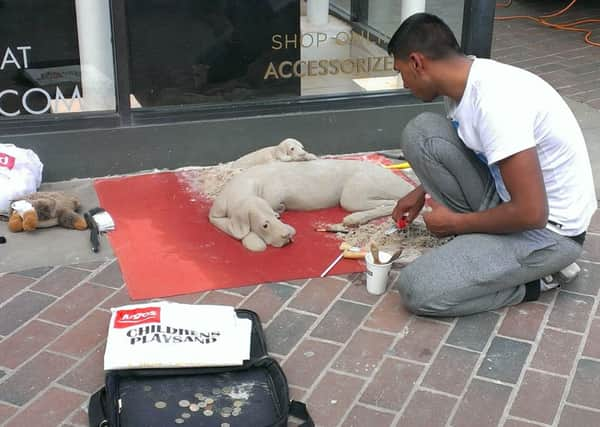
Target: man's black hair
{"points": [[425, 33]]}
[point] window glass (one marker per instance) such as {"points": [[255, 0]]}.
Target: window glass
{"points": [[55, 57], [222, 51]]}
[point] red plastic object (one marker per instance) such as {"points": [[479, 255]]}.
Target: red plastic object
{"points": [[401, 223]]}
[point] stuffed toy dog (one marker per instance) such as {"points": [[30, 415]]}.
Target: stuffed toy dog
{"points": [[45, 209]]}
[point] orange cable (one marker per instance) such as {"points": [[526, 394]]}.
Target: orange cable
{"points": [[568, 26], [506, 4]]}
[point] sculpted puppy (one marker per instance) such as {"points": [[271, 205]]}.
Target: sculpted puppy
{"points": [[248, 208], [288, 150]]}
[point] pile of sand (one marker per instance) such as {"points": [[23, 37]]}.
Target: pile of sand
{"points": [[209, 181]]}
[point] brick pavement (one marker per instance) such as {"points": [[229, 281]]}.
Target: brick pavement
{"points": [[358, 360]]}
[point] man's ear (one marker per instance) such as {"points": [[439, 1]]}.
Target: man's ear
{"points": [[416, 62]]}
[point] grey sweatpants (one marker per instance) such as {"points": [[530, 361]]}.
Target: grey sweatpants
{"points": [[473, 272]]}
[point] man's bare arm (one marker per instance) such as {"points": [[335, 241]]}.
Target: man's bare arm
{"points": [[527, 209]]}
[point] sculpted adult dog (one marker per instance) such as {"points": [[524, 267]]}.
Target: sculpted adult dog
{"points": [[248, 208]]}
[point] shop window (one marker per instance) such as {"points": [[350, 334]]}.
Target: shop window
{"points": [[55, 57], [222, 51]]}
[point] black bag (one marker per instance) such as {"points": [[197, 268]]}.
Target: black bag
{"points": [[254, 394]]}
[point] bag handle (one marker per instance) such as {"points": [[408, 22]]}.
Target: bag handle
{"points": [[96, 413], [298, 409]]}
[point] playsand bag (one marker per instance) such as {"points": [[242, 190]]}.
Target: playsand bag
{"points": [[20, 174]]}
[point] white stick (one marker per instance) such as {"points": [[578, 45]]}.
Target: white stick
{"points": [[335, 261]]}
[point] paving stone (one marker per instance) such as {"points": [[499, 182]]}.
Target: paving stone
{"points": [[307, 362], [75, 304], [578, 417], [284, 332], [332, 397], [297, 282], [523, 321], [45, 410], [11, 284], [427, 409], [420, 339], [358, 291], [389, 314], [450, 370], [79, 418], [548, 297], [90, 266], [592, 345], [30, 339], [556, 352], [361, 416], [35, 273], [33, 377], [585, 386], [539, 397], [243, 290], [473, 332], [571, 312], [317, 294], [84, 336], [296, 393], [221, 298], [511, 422], [588, 280], [88, 376], [482, 405], [594, 226], [392, 384], [363, 353], [341, 321], [591, 248], [120, 298], [110, 276], [60, 281], [6, 411], [268, 299], [192, 298], [20, 309], [504, 360]]}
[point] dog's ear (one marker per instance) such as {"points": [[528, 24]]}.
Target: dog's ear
{"points": [[232, 222], [254, 243], [281, 151], [239, 225]]}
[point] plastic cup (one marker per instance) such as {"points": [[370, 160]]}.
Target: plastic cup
{"points": [[377, 274]]}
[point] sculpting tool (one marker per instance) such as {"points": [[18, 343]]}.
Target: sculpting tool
{"points": [[401, 224], [332, 230], [347, 252], [403, 165]]}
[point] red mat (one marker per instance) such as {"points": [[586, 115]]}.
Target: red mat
{"points": [[166, 245]]}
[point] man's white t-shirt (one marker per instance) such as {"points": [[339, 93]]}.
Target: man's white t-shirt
{"points": [[505, 110]]}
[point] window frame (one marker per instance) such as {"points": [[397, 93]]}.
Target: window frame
{"points": [[476, 37]]}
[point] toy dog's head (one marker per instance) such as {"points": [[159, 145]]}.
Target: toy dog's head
{"points": [[257, 225], [291, 149]]}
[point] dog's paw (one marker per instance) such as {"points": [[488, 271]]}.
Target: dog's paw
{"points": [[356, 219]]}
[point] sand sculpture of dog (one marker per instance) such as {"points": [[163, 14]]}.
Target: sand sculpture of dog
{"points": [[248, 208], [288, 150]]}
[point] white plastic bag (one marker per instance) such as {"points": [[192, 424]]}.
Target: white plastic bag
{"points": [[169, 335], [20, 174]]}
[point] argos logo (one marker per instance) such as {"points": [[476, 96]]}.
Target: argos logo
{"points": [[7, 161], [137, 316]]}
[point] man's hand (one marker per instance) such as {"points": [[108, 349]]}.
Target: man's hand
{"points": [[410, 205], [440, 220]]}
